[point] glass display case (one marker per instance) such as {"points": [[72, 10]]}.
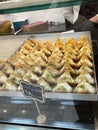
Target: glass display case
{"points": [[30, 100]]}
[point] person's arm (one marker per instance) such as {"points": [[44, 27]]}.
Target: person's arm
{"points": [[94, 19]]}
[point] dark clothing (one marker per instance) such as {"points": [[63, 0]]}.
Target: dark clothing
{"points": [[84, 24], [89, 10]]}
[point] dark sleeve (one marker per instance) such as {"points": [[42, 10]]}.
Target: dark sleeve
{"points": [[83, 24]]}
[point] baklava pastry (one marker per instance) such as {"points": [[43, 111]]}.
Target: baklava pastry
{"points": [[56, 62], [36, 68], [34, 43], [48, 45], [68, 68], [54, 72], [27, 45], [20, 55], [70, 55], [84, 87], [9, 85], [24, 51], [45, 85], [46, 51], [62, 87], [3, 77], [15, 78], [47, 76], [84, 59], [70, 41], [70, 62], [62, 48], [40, 62], [7, 69], [83, 40], [89, 56], [85, 67], [28, 61], [15, 61], [30, 76], [57, 52], [58, 42], [43, 56], [85, 75], [70, 50], [66, 76], [20, 71]]}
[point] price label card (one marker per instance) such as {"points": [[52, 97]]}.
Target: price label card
{"points": [[33, 91]]}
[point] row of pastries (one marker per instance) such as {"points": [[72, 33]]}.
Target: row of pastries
{"points": [[59, 66]]}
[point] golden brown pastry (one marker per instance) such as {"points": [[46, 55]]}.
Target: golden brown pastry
{"points": [[36, 44], [85, 67], [24, 51], [20, 55], [28, 61], [55, 62], [84, 59], [48, 45], [57, 52], [54, 72], [68, 68], [58, 42]]}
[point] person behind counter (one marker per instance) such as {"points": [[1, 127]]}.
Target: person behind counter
{"points": [[83, 18]]}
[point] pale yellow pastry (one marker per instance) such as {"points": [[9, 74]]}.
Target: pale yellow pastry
{"points": [[45, 85], [48, 77], [37, 69], [30, 76], [85, 75], [67, 78], [7, 68], [16, 78], [62, 87], [20, 71], [84, 87], [9, 85], [3, 77]]}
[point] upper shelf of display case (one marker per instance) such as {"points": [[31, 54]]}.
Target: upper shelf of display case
{"points": [[14, 6]]}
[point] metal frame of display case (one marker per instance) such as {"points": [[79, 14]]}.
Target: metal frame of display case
{"points": [[32, 7], [11, 6]]}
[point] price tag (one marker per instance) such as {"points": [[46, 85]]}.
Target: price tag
{"points": [[33, 91]]}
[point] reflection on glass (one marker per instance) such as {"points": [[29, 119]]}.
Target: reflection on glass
{"points": [[4, 110]]}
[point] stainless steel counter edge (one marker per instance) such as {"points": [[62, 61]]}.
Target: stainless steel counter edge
{"points": [[52, 95]]}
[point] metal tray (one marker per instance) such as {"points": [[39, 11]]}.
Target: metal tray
{"points": [[53, 95]]}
